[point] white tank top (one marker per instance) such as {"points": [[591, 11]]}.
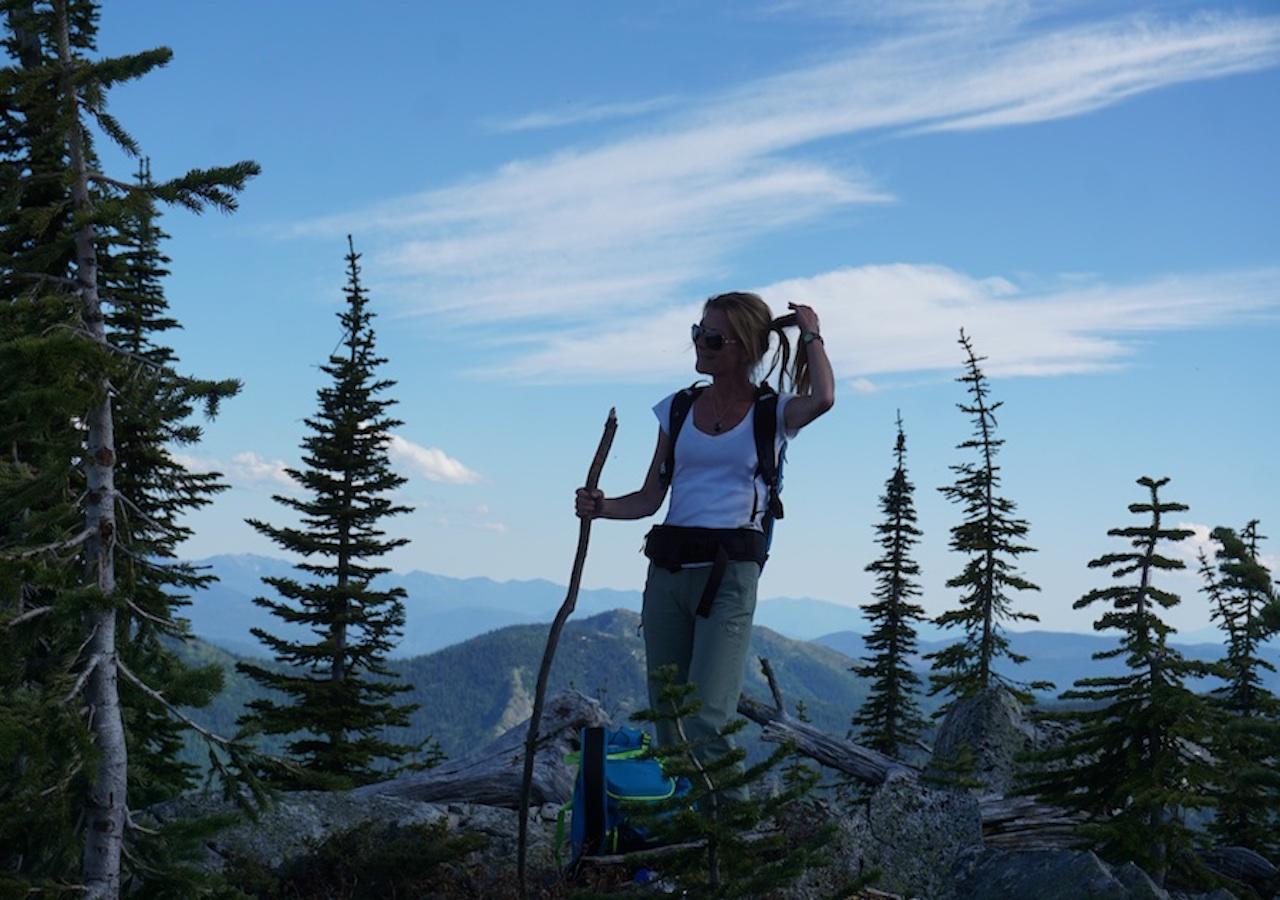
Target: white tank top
{"points": [[715, 483]]}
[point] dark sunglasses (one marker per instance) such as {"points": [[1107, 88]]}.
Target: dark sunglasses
{"points": [[712, 340]]}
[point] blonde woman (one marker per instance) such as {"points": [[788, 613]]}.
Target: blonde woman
{"points": [[706, 557]]}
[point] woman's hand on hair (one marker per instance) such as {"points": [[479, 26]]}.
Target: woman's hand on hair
{"points": [[806, 318]]}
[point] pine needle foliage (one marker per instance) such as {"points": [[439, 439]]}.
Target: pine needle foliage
{"points": [[992, 539], [1135, 758], [338, 692], [728, 850], [890, 717], [1247, 744], [152, 420], [67, 622]]}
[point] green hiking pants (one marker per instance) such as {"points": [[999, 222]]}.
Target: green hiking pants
{"points": [[709, 653]]}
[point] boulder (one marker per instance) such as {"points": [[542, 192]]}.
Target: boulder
{"points": [[296, 822], [983, 734], [1047, 875], [913, 834]]}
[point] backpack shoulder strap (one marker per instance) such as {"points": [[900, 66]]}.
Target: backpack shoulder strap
{"points": [[766, 433], [681, 403], [593, 789]]}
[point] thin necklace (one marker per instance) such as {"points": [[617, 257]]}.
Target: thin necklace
{"points": [[716, 412]]}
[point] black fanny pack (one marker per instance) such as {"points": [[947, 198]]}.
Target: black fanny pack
{"points": [[672, 547]]}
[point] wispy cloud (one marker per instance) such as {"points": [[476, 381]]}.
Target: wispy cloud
{"points": [[431, 463], [244, 469], [901, 318], [579, 114], [634, 223]]}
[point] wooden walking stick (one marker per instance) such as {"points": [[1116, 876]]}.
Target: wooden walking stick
{"points": [[566, 609]]}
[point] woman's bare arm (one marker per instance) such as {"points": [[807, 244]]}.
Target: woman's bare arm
{"points": [[636, 505]]}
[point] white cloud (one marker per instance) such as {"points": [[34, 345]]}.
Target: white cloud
{"points": [[249, 466], [906, 318], [1189, 549], [577, 114], [496, 527], [586, 232], [863, 386], [244, 469], [430, 462]]}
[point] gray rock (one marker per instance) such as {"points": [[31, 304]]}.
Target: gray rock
{"points": [[290, 829], [1042, 875], [988, 731], [1138, 882], [914, 834]]}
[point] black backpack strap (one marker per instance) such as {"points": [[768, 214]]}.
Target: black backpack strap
{"points": [[681, 403], [593, 789], [766, 432]]}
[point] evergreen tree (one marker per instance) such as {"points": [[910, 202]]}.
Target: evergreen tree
{"points": [[338, 688], [1133, 763], [60, 598], [991, 538], [153, 417], [890, 717], [726, 847], [1247, 746]]}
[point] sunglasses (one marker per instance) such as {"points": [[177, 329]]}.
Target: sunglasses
{"points": [[711, 339]]}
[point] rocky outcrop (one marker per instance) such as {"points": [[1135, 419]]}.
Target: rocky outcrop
{"points": [[982, 736], [291, 828], [910, 833], [1047, 875]]}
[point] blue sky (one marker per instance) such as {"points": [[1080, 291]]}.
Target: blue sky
{"points": [[544, 193]]}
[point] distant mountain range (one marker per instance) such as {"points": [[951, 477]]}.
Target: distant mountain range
{"points": [[441, 611], [1061, 657], [472, 691]]}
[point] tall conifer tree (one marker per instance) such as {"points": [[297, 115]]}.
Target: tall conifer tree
{"points": [[339, 691], [1247, 745], [60, 598], [153, 420], [1131, 763], [991, 537], [890, 717]]}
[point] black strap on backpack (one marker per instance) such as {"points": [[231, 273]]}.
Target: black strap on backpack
{"points": [[593, 789], [765, 428]]}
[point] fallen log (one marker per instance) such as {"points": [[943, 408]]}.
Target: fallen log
{"points": [[1007, 822], [492, 775], [861, 762]]}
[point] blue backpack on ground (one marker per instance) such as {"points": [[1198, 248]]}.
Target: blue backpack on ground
{"points": [[613, 767]]}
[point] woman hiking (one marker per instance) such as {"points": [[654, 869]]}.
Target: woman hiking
{"points": [[706, 557]]}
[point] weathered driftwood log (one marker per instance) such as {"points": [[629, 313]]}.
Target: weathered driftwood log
{"points": [[862, 763], [491, 776]]}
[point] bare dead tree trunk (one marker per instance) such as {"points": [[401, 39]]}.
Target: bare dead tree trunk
{"points": [[106, 803]]}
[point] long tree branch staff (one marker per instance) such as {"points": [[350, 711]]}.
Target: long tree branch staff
{"points": [[723, 470]]}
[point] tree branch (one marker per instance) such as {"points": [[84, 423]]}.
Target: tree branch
{"points": [[84, 676], [29, 614], [773, 687], [114, 182], [166, 624], [173, 710], [130, 823], [47, 548], [50, 279]]}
